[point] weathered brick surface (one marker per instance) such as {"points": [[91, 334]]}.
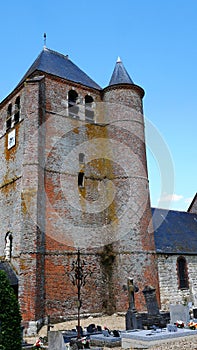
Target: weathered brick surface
{"points": [[108, 219]]}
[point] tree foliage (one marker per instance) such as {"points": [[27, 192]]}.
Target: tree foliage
{"points": [[10, 318]]}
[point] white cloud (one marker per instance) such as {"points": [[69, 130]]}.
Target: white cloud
{"points": [[171, 197]]}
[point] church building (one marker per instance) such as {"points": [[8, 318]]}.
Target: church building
{"points": [[74, 181]]}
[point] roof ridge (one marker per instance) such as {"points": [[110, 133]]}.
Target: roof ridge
{"points": [[57, 64], [55, 52], [172, 210]]}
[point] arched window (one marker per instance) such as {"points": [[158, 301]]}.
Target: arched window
{"points": [[8, 246], [182, 273], [89, 111], [9, 117], [73, 109], [17, 110]]}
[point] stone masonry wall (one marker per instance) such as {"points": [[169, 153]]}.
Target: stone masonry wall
{"points": [[136, 248], [168, 281], [32, 206], [110, 215], [11, 182]]}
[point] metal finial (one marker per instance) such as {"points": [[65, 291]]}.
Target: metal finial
{"points": [[45, 39]]}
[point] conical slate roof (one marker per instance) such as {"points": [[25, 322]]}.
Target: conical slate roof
{"points": [[61, 66], [120, 75]]}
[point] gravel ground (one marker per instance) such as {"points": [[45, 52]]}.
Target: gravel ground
{"points": [[112, 322]]}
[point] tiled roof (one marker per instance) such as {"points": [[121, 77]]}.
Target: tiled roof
{"points": [[5, 266], [120, 75], [61, 66], [175, 231]]}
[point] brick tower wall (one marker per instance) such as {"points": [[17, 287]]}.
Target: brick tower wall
{"points": [[134, 251], [108, 217]]}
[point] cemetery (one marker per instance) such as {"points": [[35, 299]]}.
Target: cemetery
{"points": [[151, 330]]}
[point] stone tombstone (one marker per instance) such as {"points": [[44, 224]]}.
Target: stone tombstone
{"points": [[171, 328], [91, 328], [133, 319], [132, 288], [55, 341], [151, 300], [179, 312]]}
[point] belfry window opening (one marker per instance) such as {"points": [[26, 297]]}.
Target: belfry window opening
{"points": [[9, 117], [17, 110], [73, 109], [89, 111]]}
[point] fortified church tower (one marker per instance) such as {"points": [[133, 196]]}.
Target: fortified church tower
{"points": [[74, 176]]}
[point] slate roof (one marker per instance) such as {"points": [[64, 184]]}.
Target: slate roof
{"points": [[54, 63], [120, 75], [5, 266], [175, 231]]}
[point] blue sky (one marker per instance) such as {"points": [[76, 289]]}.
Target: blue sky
{"points": [[156, 41]]}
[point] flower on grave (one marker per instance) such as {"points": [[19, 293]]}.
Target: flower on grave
{"points": [[192, 325], [84, 340], [179, 324], [38, 344]]}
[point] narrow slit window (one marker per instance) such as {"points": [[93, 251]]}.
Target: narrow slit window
{"points": [[81, 158], [81, 179]]}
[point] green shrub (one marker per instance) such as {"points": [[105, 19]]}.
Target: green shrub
{"points": [[10, 318]]}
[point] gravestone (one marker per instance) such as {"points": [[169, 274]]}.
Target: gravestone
{"points": [[91, 328], [153, 317], [179, 312], [151, 300], [171, 328], [195, 313], [133, 319], [55, 341]]}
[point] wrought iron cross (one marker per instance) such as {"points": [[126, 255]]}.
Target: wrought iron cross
{"points": [[78, 274]]}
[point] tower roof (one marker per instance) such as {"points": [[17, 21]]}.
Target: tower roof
{"points": [[54, 63], [120, 75]]}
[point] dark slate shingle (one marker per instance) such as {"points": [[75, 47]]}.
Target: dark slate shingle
{"points": [[120, 75], [175, 231], [54, 63]]}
